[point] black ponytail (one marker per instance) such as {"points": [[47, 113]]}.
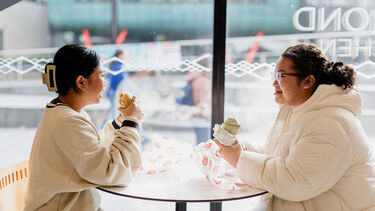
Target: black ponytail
{"points": [[72, 61]]}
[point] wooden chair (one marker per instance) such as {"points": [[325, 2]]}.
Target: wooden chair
{"points": [[13, 184]]}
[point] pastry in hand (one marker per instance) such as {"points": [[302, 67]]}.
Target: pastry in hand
{"points": [[226, 133], [125, 99], [231, 125]]}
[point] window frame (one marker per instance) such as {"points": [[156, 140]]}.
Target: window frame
{"points": [[1, 40]]}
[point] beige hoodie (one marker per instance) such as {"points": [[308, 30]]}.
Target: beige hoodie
{"points": [[70, 157], [316, 156]]}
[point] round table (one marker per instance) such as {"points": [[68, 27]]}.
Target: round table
{"points": [[181, 183]]}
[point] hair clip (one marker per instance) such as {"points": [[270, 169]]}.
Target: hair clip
{"points": [[49, 77]]}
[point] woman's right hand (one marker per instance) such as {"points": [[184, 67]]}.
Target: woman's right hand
{"points": [[230, 153], [133, 110]]}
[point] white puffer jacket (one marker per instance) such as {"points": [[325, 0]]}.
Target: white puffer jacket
{"points": [[316, 157]]}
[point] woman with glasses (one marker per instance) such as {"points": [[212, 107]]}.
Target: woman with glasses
{"points": [[316, 156]]}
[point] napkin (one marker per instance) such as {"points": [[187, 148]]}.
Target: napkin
{"points": [[162, 153], [214, 168]]}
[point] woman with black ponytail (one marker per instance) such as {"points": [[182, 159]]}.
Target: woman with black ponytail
{"points": [[70, 157], [316, 156]]}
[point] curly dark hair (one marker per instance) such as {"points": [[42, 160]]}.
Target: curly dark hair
{"points": [[310, 60]]}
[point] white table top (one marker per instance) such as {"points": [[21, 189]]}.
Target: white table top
{"points": [[183, 182]]}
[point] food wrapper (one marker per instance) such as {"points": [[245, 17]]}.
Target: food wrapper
{"points": [[226, 133], [214, 168], [162, 153]]}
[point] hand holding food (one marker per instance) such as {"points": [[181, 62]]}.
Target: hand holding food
{"points": [[129, 107], [226, 132], [125, 99]]}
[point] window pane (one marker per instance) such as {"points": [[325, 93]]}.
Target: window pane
{"points": [[1, 40], [258, 32], [166, 64]]}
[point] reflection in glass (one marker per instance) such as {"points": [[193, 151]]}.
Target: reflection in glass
{"points": [[166, 49], [343, 29]]}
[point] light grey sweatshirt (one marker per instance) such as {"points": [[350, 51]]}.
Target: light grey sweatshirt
{"points": [[69, 158]]}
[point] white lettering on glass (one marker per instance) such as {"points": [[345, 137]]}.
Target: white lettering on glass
{"points": [[363, 23], [366, 47], [336, 17], [353, 19], [324, 22], [345, 49], [311, 20], [325, 46]]}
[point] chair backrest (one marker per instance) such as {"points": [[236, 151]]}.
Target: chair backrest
{"points": [[13, 184]]}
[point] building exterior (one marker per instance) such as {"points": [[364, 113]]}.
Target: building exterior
{"points": [[24, 25], [168, 20]]}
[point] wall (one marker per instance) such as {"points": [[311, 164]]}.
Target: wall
{"points": [[25, 25]]}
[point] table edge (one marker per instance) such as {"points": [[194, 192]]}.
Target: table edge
{"points": [[175, 200]]}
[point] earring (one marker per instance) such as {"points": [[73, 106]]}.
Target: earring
{"points": [[83, 89]]}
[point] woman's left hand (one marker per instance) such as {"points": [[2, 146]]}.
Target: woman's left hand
{"points": [[230, 153]]}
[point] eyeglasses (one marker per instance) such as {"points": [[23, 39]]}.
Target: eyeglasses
{"points": [[279, 75]]}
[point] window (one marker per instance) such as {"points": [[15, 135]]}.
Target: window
{"points": [[249, 1], [1, 40], [343, 29], [166, 48], [166, 45]]}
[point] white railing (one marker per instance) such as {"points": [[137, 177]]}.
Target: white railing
{"points": [[22, 65]]}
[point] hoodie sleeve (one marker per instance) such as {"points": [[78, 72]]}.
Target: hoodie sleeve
{"points": [[108, 131], [314, 164], [112, 165]]}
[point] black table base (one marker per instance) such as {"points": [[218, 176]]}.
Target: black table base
{"points": [[180, 206], [214, 206]]}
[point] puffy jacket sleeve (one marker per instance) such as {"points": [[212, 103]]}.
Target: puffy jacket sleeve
{"points": [[314, 164], [247, 146], [93, 161]]}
